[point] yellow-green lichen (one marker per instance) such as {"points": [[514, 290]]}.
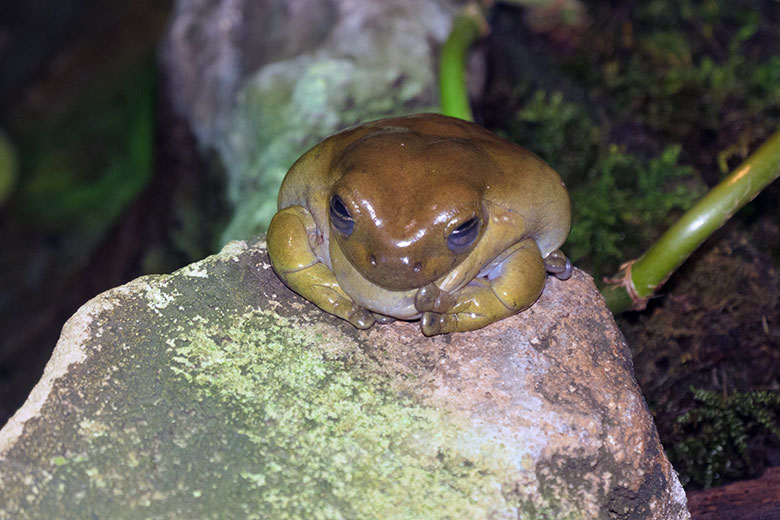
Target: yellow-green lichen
{"points": [[328, 438], [59, 460]]}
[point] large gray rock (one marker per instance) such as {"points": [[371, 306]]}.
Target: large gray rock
{"points": [[215, 392], [261, 81]]}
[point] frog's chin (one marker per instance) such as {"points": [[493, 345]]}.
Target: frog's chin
{"points": [[396, 303], [397, 282]]}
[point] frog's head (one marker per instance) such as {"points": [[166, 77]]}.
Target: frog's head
{"points": [[407, 209]]}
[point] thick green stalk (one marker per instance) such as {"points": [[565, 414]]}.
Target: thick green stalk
{"points": [[466, 28], [8, 167], [638, 280]]}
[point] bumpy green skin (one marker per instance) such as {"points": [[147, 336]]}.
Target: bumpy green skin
{"points": [[408, 182]]}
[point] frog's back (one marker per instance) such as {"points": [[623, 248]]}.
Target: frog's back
{"points": [[520, 181], [535, 191]]}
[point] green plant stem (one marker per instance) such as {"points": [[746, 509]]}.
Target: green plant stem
{"points": [[8, 167], [468, 25], [645, 275]]}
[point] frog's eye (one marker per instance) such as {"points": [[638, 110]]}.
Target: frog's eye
{"points": [[463, 236], [340, 217]]}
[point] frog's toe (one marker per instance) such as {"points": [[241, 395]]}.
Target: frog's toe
{"points": [[432, 299], [361, 318], [558, 264], [429, 323], [565, 272], [382, 318], [425, 298], [433, 323]]}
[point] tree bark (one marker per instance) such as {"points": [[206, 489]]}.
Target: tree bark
{"points": [[757, 499]]}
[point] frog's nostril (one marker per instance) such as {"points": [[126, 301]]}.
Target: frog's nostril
{"points": [[372, 259], [417, 267]]}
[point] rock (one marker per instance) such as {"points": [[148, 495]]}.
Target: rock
{"points": [[260, 82], [215, 392]]}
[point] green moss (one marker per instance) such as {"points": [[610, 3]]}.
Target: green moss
{"points": [[714, 446], [701, 77], [672, 90], [621, 201], [626, 205], [559, 131], [713, 331], [686, 70]]}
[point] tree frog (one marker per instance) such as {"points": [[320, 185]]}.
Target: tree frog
{"points": [[420, 217]]}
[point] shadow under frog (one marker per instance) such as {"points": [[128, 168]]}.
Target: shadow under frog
{"points": [[420, 217]]}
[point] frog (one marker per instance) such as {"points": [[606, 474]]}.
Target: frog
{"points": [[420, 217]]}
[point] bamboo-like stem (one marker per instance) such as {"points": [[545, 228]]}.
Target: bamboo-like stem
{"points": [[468, 25], [638, 280]]}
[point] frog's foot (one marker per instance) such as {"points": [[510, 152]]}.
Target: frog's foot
{"points": [[514, 285], [433, 323], [558, 264], [382, 318], [432, 299]]}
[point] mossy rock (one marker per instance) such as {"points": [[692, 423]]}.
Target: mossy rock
{"points": [[215, 392]]}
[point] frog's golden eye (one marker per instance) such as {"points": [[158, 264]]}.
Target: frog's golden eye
{"points": [[463, 236], [340, 217]]}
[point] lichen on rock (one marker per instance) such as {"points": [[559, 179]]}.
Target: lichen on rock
{"points": [[215, 392]]}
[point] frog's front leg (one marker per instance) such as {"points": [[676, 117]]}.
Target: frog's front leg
{"points": [[294, 260], [512, 286]]}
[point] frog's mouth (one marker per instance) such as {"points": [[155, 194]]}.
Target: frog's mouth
{"points": [[403, 273], [397, 274]]}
